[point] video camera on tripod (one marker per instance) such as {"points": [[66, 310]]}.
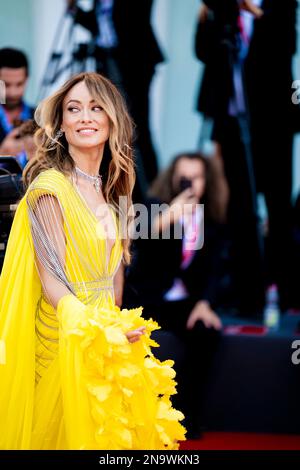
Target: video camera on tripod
{"points": [[11, 191]]}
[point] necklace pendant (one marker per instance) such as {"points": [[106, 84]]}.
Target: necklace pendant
{"points": [[97, 185], [96, 180]]}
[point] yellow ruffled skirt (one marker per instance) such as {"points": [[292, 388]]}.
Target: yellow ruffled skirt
{"points": [[102, 392]]}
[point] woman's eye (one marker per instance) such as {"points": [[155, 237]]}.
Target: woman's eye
{"points": [[97, 108], [73, 109]]}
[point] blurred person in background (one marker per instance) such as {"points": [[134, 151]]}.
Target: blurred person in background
{"points": [[246, 90], [217, 45], [14, 72], [274, 121], [126, 52], [176, 281]]}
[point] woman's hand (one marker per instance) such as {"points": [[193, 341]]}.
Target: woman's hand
{"points": [[70, 4], [251, 8], [203, 312], [11, 145], [246, 5], [203, 13], [134, 335], [183, 204]]}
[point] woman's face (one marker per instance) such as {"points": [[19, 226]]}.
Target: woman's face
{"points": [[84, 122], [193, 170]]}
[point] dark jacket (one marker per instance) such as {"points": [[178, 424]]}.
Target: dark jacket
{"points": [[137, 45], [216, 46], [268, 66], [157, 262]]}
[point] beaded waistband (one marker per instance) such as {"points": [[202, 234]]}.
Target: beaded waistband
{"points": [[95, 285]]}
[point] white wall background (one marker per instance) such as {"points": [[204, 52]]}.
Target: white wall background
{"points": [[32, 24]]}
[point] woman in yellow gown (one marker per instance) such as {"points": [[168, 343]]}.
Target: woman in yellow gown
{"points": [[76, 371]]}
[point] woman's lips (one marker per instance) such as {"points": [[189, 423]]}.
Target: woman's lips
{"points": [[87, 131]]}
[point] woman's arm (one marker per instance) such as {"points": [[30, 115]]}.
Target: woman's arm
{"points": [[181, 205], [133, 335], [119, 285], [49, 241], [47, 228]]}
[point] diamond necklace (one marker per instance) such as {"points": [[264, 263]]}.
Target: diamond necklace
{"points": [[97, 179]]}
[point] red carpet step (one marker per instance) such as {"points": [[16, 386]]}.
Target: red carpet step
{"points": [[242, 441]]}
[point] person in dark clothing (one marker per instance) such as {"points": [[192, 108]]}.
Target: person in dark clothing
{"points": [[241, 55], [14, 111], [274, 121], [127, 52], [176, 281], [294, 266]]}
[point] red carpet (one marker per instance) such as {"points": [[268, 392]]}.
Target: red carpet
{"points": [[242, 441]]}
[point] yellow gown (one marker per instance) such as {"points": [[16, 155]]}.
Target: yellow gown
{"points": [[69, 377]]}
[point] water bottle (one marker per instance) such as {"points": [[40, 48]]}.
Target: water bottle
{"points": [[272, 310]]}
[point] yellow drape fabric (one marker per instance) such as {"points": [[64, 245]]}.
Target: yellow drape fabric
{"points": [[69, 377]]}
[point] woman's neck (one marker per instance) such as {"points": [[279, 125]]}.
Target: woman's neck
{"points": [[88, 160]]}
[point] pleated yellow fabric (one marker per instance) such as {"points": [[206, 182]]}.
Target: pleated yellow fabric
{"points": [[69, 377]]}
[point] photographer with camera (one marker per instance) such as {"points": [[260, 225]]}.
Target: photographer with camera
{"points": [[177, 278], [14, 73]]}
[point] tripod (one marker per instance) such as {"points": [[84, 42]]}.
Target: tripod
{"points": [[65, 56]]}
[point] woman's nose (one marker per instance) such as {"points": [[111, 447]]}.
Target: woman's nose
{"points": [[85, 115]]}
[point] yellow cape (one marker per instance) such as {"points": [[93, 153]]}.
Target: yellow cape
{"points": [[95, 389]]}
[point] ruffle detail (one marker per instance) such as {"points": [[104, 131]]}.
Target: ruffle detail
{"points": [[128, 389]]}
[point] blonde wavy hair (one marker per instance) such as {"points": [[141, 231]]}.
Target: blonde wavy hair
{"points": [[117, 166]]}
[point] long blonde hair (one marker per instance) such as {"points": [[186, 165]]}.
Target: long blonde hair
{"points": [[117, 166]]}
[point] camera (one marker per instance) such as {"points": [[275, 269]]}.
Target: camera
{"points": [[17, 123], [11, 191], [184, 183]]}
